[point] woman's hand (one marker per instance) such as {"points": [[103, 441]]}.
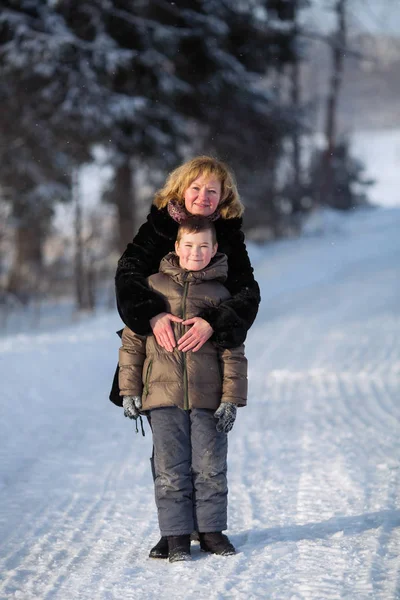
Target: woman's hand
{"points": [[161, 326], [196, 336]]}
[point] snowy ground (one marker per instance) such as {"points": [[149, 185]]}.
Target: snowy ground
{"points": [[379, 150], [314, 458]]}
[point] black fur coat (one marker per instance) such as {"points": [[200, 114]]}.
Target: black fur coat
{"points": [[137, 304]]}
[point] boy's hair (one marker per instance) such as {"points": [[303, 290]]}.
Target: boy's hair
{"points": [[180, 179], [196, 225]]}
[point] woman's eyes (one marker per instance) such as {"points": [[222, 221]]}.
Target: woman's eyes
{"points": [[196, 189]]}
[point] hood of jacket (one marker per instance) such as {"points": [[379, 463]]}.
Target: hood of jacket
{"points": [[216, 270]]}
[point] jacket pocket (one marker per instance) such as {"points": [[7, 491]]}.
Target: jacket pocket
{"points": [[147, 378]]}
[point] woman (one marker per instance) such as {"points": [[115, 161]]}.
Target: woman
{"points": [[202, 186]]}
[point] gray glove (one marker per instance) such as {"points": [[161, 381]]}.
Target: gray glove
{"points": [[132, 406], [226, 415]]}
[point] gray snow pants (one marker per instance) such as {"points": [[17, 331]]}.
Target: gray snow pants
{"points": [[190, 460]]}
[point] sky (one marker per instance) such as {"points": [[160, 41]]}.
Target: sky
{"points": [[372, 16]]}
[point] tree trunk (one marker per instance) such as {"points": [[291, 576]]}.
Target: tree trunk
{"points": [[25, 272], [338, 50], [295, 93], [24, 277], [82, 288], [123, 197]]}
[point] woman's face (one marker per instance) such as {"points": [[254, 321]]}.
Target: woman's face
{"points": [[203, 195]]}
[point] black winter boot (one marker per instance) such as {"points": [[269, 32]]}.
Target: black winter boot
{"points": [[179, 548], [160, 550], [216, 543]]}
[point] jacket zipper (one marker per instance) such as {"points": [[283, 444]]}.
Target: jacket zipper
{"points": [[185, 377], [146, 381]]}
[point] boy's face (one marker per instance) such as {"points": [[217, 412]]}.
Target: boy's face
{"points": [[195, 250]]}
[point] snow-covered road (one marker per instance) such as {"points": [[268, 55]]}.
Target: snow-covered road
{"points": [[314, 459]]}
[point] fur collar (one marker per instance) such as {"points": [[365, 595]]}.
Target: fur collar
{"points": [[179, 213], [166, 227]]}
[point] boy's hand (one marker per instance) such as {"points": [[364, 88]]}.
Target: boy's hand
{"points": [[132, 406], [226, 415], [198, 334]]}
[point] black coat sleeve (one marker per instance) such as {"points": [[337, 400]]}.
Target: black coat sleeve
{"points": [[233, 318], [136, 302]]}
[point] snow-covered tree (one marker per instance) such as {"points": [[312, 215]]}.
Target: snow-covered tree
{"points": [[37, 148], [149, 82], [349, 182]]}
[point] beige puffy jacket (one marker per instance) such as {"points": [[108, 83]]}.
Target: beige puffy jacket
{"points": [[201, 379]]}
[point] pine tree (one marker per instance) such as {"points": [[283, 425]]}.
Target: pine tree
{"points": [[34, 169], [149, 82]]}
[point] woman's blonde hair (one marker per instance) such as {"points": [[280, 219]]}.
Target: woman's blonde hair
{"points": [[180, 179]]}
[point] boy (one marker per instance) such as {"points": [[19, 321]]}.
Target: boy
{"points": [[191, 397]]}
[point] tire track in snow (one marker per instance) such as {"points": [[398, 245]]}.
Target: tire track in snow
{"points": [[27, 558], [384, 392], [317, 566], [119, 545], [353, 414], [26, 527], [53, 551], [385, 564], [263, 458], [76, 546], [374, 417], [320, 481], [35, 528], [99, 525], [266, 504], [84, 516]]}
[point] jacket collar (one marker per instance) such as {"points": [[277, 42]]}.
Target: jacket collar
{"points": [[216, 270]]}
